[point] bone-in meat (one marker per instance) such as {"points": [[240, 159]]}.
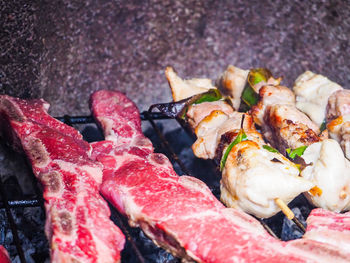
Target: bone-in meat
{"points": [[77, 218]]}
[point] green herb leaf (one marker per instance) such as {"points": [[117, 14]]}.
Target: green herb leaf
{"points": [[323, 126], [270, 149], [241, 136], [292, 153]]}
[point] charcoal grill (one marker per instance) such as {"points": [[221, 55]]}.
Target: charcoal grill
{"points": [[133, 252]]}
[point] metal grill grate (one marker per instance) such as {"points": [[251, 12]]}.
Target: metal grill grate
{"points": [[122, 223]]}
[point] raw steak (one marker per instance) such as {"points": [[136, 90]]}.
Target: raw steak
{"points": [[77, 218], [4, 255], [180, 213], [329, 227]]}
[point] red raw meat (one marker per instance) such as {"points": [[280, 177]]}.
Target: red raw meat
{"points": [[4, 255], [180, 213], [77, 218], [329, 227]]}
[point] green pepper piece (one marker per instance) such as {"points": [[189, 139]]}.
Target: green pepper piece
{"points": [[292, 153], [241, 136], [209, 96], [257, 75], [323, 126], [249, 96], [270, 149]]}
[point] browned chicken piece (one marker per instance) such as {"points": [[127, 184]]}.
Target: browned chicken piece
{"points": [[345, 138], [218, 124], [283, 125], [287, 127], [270, 95], [338, 119], [197, 112], [338, 104]]}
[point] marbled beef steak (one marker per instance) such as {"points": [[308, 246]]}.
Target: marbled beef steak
{"points": [[77, 218]]}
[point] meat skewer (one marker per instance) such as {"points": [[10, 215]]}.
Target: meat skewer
{"points": [[328, 168], [77, 218], [287, 128], [180, 213], [249, 164]]}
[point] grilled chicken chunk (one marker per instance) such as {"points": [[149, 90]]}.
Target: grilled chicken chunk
{"points": [[339, 130], [283, 125], [182, 89], [338, 119], [330, 171], [271, 95], [211, 129], [312, 92], [251, 175], [338, 104], [232, 83], [287, 127], [197, 112]]}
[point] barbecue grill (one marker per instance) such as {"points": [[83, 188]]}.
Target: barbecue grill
{"points": [[138, 248]]}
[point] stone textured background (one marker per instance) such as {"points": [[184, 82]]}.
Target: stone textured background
{"points": [[63, 50]]}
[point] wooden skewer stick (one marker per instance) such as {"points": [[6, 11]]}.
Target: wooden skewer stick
{"points": [[289, 213], [285, 209]]}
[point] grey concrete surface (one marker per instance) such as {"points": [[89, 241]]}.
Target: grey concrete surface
{"points": [[64, 50]]}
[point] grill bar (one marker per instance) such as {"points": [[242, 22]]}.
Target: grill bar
{"points": [[12, 224], [267, 228], [21, 203], [124, 227], [71, 120], [299, 224], [166, 145]]}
